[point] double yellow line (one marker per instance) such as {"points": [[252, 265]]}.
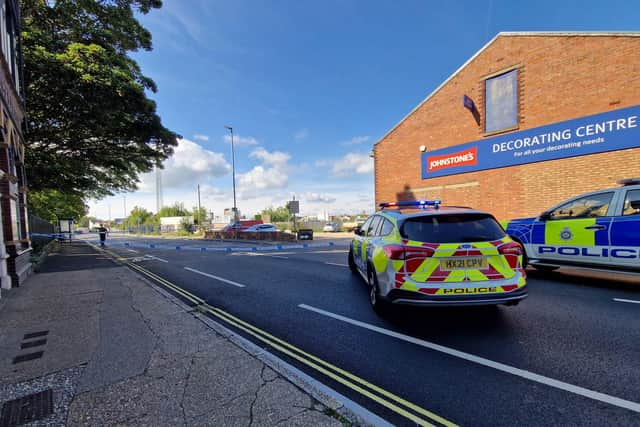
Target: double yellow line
{"points": [[379, 395]]}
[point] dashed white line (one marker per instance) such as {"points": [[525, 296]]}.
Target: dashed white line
{"points": [[230, 282], [612, 400], [626, 300], [259, 254], [156, 258], [335, 263], [133, 250]]}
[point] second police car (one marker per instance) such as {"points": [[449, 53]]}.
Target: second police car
{"points": [[598, 229], [419, 253]]}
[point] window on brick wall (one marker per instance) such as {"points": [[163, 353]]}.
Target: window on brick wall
{"points": [[501, 102], [16, 223]]}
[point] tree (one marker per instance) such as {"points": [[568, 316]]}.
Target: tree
{"points": [[92, 129], [199, 215], [177, 209], [279, 214], [52, 205], [138, 216]]}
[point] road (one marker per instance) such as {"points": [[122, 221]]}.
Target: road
{"points": [[567, 355]]}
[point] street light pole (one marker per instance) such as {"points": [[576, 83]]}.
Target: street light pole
{"points": [[233, 173]]}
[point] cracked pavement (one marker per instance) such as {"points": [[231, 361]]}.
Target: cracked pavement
{"points": [[129, 354]]}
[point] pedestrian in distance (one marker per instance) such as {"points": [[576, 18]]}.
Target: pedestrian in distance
{"points": [[102, 231]]}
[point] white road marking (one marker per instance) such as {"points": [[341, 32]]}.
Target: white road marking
{"points": [[258, 254], [612, 400], [231, 282], [301, 252], [335, 263], [626, 300], [156, 258], [133, 250]]}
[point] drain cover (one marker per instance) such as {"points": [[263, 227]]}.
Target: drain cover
{"points": [[27, 408]]}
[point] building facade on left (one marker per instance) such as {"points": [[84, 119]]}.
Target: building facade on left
{"points": [[15, 247]]}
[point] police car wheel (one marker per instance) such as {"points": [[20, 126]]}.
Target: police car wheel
{"points": [[545, 267], [352, 263], [379, 305]]}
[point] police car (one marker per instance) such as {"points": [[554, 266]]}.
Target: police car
{"points": [[420, 253], [599, 229]]}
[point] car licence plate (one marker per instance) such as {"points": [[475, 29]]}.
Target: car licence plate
{"points": [[464, 263]]}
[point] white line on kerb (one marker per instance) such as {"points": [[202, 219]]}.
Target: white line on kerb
{"points": [[626, 300], [231, 282], [612, 400], [335, 263]]}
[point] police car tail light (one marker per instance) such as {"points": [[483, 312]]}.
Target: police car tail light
{"points": [[394, 251], [400, 252], [512, 252]]}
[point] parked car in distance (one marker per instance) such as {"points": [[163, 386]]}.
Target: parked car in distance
{"points": [[261, 228], [331, 227], [600, 229], [241, 225]]}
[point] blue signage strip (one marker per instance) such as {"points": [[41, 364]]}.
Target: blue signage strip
{"points": [[610, 131]]}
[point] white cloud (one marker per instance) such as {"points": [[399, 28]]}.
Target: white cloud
{"points": [[241, 140], [272, 173], [301, 134], [190, 164], [260, 178], [352, 163], [200, 137], [356, 140], [274, 158], [319, 197], [209, 192]]}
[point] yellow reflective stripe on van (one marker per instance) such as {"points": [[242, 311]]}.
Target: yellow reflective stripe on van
{"points": [[570, 232], [397, 264]]}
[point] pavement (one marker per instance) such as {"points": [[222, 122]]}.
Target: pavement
{"points": [[103, 346], [567, 355]]}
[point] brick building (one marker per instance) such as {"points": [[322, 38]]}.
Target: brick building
{"points": [[530, 120], [15, 248]]}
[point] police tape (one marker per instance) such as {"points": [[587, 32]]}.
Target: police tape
{"points": [[52, 235], [218, 248]]}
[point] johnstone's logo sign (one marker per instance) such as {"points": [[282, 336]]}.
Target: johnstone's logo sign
{"points": [[610, 131], [461, 158]]}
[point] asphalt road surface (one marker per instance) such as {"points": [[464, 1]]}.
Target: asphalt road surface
{"points": [[567, 355]]}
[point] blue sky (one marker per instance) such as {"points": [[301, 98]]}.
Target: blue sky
{"points": [[309, 86]]}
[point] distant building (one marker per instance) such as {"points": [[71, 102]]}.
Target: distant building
{"points": [[15, 247], [170, 224]]}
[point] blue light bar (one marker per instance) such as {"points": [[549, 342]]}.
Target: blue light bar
{"points": [[412, 203]]}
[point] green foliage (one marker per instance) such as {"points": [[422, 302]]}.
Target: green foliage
{"points": [[257, 217], [185, 225], [92, 129], [138, 216], [177, 209], [199, 216], [51, 205], [279, 214], [84, 221]]}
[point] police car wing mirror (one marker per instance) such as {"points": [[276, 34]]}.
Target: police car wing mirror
{"points": [[545, 216], [358, 231]]}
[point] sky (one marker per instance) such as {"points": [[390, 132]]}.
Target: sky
{"points": [[309, 87]]}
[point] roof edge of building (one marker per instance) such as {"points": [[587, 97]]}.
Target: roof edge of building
{"points": [[509, 34]]}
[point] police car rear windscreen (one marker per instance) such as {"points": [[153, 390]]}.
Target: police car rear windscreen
{"points": [[453, 228]]}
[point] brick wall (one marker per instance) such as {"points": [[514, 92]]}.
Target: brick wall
{"points": [[560, 78]]}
